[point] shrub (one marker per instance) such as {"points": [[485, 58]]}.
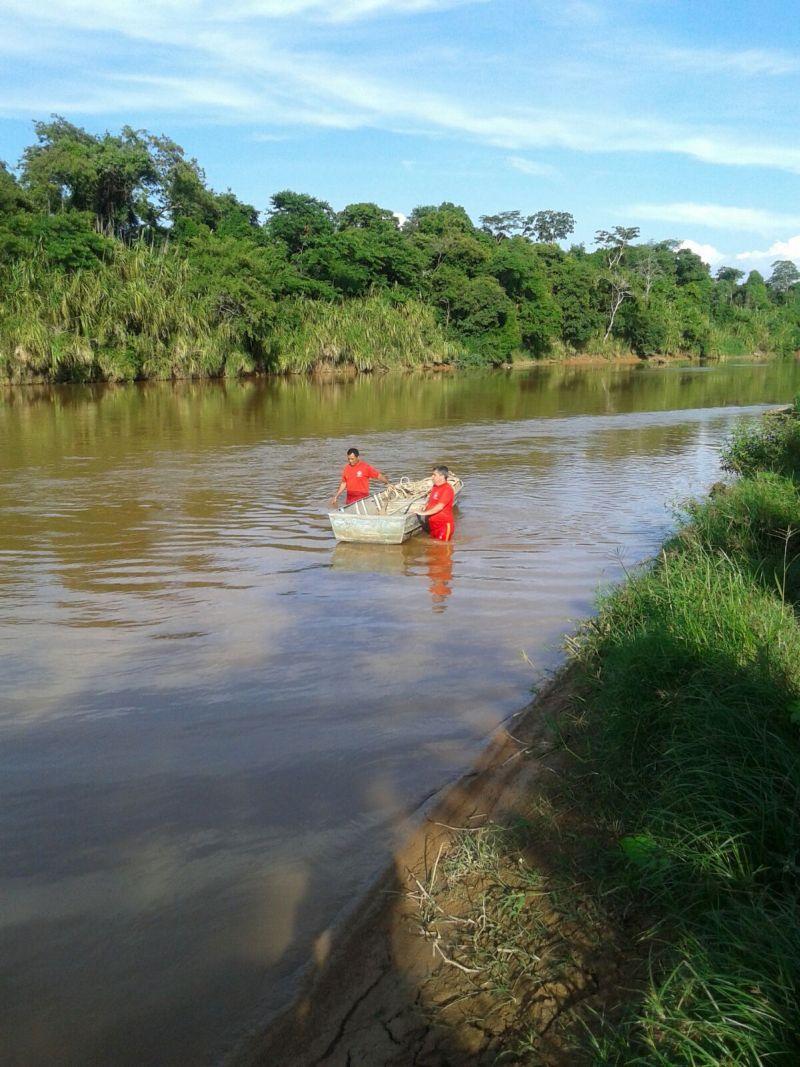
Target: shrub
{"points": [[771, 444]]}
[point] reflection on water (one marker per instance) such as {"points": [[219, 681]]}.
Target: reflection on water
{"points": [[419, 556], [214, 720]]}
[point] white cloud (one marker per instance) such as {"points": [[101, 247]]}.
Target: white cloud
{"points": [[269, 138], [529, 166], [573, 12], [251, 74], [718, 216], [708, 253], [778, 250], [127, 14], [748, 62]]}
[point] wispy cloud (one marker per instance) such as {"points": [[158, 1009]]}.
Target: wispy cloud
{"points": [[260, 65], [574, 12], [532, 167], [87, 14], [748, 62], [718, 216]]}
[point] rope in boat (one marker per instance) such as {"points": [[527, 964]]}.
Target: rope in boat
{"points": [[399, 496]]}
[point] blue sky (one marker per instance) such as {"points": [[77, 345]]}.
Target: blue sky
{"points": [[679, 116]]}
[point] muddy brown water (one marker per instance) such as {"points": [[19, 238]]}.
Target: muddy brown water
{"points": [[214, 720]]}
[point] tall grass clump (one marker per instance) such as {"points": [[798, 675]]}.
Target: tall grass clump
{"points": [[769, 444], [692, 674], [372, 333], [757, 521], [131, 316]]}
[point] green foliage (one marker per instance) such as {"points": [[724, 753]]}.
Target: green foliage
{"points": [[784, 275], [754, 293], [517, 267], [771, 444], [12, 196], [485, 319], [237, 283], [507, 287], [131, 316], [109, 176], [702, 760], [370, 334], [70, 241], [645, 327], [692, 673], [754, 519], [299, 220]]}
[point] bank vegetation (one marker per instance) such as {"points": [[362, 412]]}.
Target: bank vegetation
{"points": [[654, 875], [118, 262]]}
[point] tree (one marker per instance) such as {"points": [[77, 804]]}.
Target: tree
{"points": [[446, 218], [12, 196], [516, 266], [729, 274], [503, 225], [577, 297], [367, 216], [299, 220], [235, 218], [111, 176], [446, 240], [615, 242], [69, 241], [646, 327], [753, 294], [651, 262], [484, 317], [784, 275], [547, 227], [689, 268]]}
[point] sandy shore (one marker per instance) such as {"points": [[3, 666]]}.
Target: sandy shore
{"points": [[382, 991]]}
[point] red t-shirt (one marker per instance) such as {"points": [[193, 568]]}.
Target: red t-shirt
{"points": [[441, 494], [356, 478]]}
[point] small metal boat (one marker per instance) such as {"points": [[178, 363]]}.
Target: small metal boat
{"points": [[388, 517]]}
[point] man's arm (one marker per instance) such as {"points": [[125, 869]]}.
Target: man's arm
{"points": [[339, 491], [431, 511], [376, 476]]}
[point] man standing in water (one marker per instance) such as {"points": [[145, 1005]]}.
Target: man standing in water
{"points": [[356, 478], [439, 507]]}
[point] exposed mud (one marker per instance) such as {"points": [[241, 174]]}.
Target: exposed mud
{"points": [[417, 977]]}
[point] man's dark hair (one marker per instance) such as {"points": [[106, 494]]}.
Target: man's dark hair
{"points": [[445, 473], [353, 452]]}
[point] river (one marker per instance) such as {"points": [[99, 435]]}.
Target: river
{"points": [[214, 720]]}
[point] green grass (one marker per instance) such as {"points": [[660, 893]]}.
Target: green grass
{"points": [[756, 521], [672, 836], [692, 681], [369, 334], [139, 314], [769, 444], [133, 316]]}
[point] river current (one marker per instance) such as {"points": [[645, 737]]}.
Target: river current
{"points": [[214, 720]]}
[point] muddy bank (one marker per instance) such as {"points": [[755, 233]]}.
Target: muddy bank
{"points": [[412, 976]]}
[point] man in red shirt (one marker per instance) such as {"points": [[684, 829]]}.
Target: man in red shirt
{"points": [[439, 507], [355, 479]]}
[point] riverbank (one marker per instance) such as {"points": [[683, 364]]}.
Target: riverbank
{"points": [[615, 882], [435, 963], [347, 371]]}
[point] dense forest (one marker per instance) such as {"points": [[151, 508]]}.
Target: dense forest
{"points": [[118, 261]]}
